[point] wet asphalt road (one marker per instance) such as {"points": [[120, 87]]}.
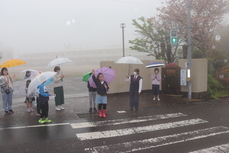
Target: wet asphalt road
{"points": [[168, 126]]}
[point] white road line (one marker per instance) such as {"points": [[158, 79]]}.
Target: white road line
{"points": [[216, 149], [135, 130], [33, 126], [126, 121], [159, 141]]}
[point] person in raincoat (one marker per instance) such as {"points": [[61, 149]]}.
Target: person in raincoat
{"points": [[7, 91]]}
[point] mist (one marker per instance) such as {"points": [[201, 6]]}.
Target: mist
{"points": [[53, 25], [86, 32]]}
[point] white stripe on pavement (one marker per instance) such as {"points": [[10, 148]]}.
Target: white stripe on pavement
{"points": [[33, 126], [135, 130], [126, 121], [216, 149], [159, 141]]}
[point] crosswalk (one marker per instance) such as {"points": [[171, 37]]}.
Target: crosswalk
{"points": [[99, 131]]}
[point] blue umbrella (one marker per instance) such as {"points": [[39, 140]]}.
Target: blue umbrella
{"points": [[155, 64]]}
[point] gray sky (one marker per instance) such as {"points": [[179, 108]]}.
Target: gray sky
{"points": [[53, 25]]}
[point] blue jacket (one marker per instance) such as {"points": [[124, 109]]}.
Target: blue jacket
{"points": [[43, 93]]}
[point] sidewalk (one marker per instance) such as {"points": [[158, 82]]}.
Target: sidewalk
{"points": [[77, 105]]}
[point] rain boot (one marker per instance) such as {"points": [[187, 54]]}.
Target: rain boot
{"points": [[100, 113], [104, 113]]}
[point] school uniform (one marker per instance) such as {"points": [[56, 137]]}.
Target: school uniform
{"points": [[135, 88]]}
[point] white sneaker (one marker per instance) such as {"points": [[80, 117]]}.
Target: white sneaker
{"points": [[158, 99], [58, 108], [61, 107], [154, 98]]}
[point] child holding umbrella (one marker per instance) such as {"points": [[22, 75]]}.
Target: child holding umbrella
{"points": [[101, 96]]}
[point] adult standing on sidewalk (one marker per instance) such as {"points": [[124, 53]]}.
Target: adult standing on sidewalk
{"points": [[58, 88], [135, 89], [156, 80], [7, 91]]}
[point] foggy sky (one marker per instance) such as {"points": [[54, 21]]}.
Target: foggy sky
{"points": [[58, 25], [53, 25]]}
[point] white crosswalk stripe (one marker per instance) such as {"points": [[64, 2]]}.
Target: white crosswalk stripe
{"points": [[160, 141], [135, 130], [224, 148], [126, 121], [149, 143]]}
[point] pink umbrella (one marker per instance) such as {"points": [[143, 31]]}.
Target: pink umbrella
{"points": [[108, 74]]}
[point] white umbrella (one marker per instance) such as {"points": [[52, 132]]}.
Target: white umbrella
{"points": [[58, 62], [39, 79], [129, 60], [22, 73]]}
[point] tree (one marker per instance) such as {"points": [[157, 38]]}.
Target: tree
{"points": [[223, 44], [207, 16], [153, 40]]}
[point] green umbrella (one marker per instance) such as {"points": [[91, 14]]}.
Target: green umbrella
{"points": [[86, 76]]}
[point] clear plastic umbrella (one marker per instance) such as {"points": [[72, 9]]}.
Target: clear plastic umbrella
{"points": [[39, 79], [129, 60], [22, 73], [58, 62]]}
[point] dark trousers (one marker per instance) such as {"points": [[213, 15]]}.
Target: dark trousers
{"points": [[38, 105], [44, 109], [102, 106], [134, 99]]}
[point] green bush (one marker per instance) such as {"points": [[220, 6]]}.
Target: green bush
{"points": [[215, 88]]}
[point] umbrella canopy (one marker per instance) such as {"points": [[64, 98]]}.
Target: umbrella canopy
{"points": [[22, 73], [22, 85], [12, 63], [86, 76], [155, 64], [129, 60], [108, 74], [58, 61], [39, 79]]}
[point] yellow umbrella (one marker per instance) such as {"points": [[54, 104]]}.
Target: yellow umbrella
{"points": [[12, 63]]}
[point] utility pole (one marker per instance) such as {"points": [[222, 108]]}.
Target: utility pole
{"points": [[123, 25], [189, 3]]}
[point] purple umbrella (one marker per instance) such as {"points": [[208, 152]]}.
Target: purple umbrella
{"points": [[108, 74]]}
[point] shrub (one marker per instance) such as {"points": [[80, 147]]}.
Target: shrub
{"points": [[214, 87]]}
